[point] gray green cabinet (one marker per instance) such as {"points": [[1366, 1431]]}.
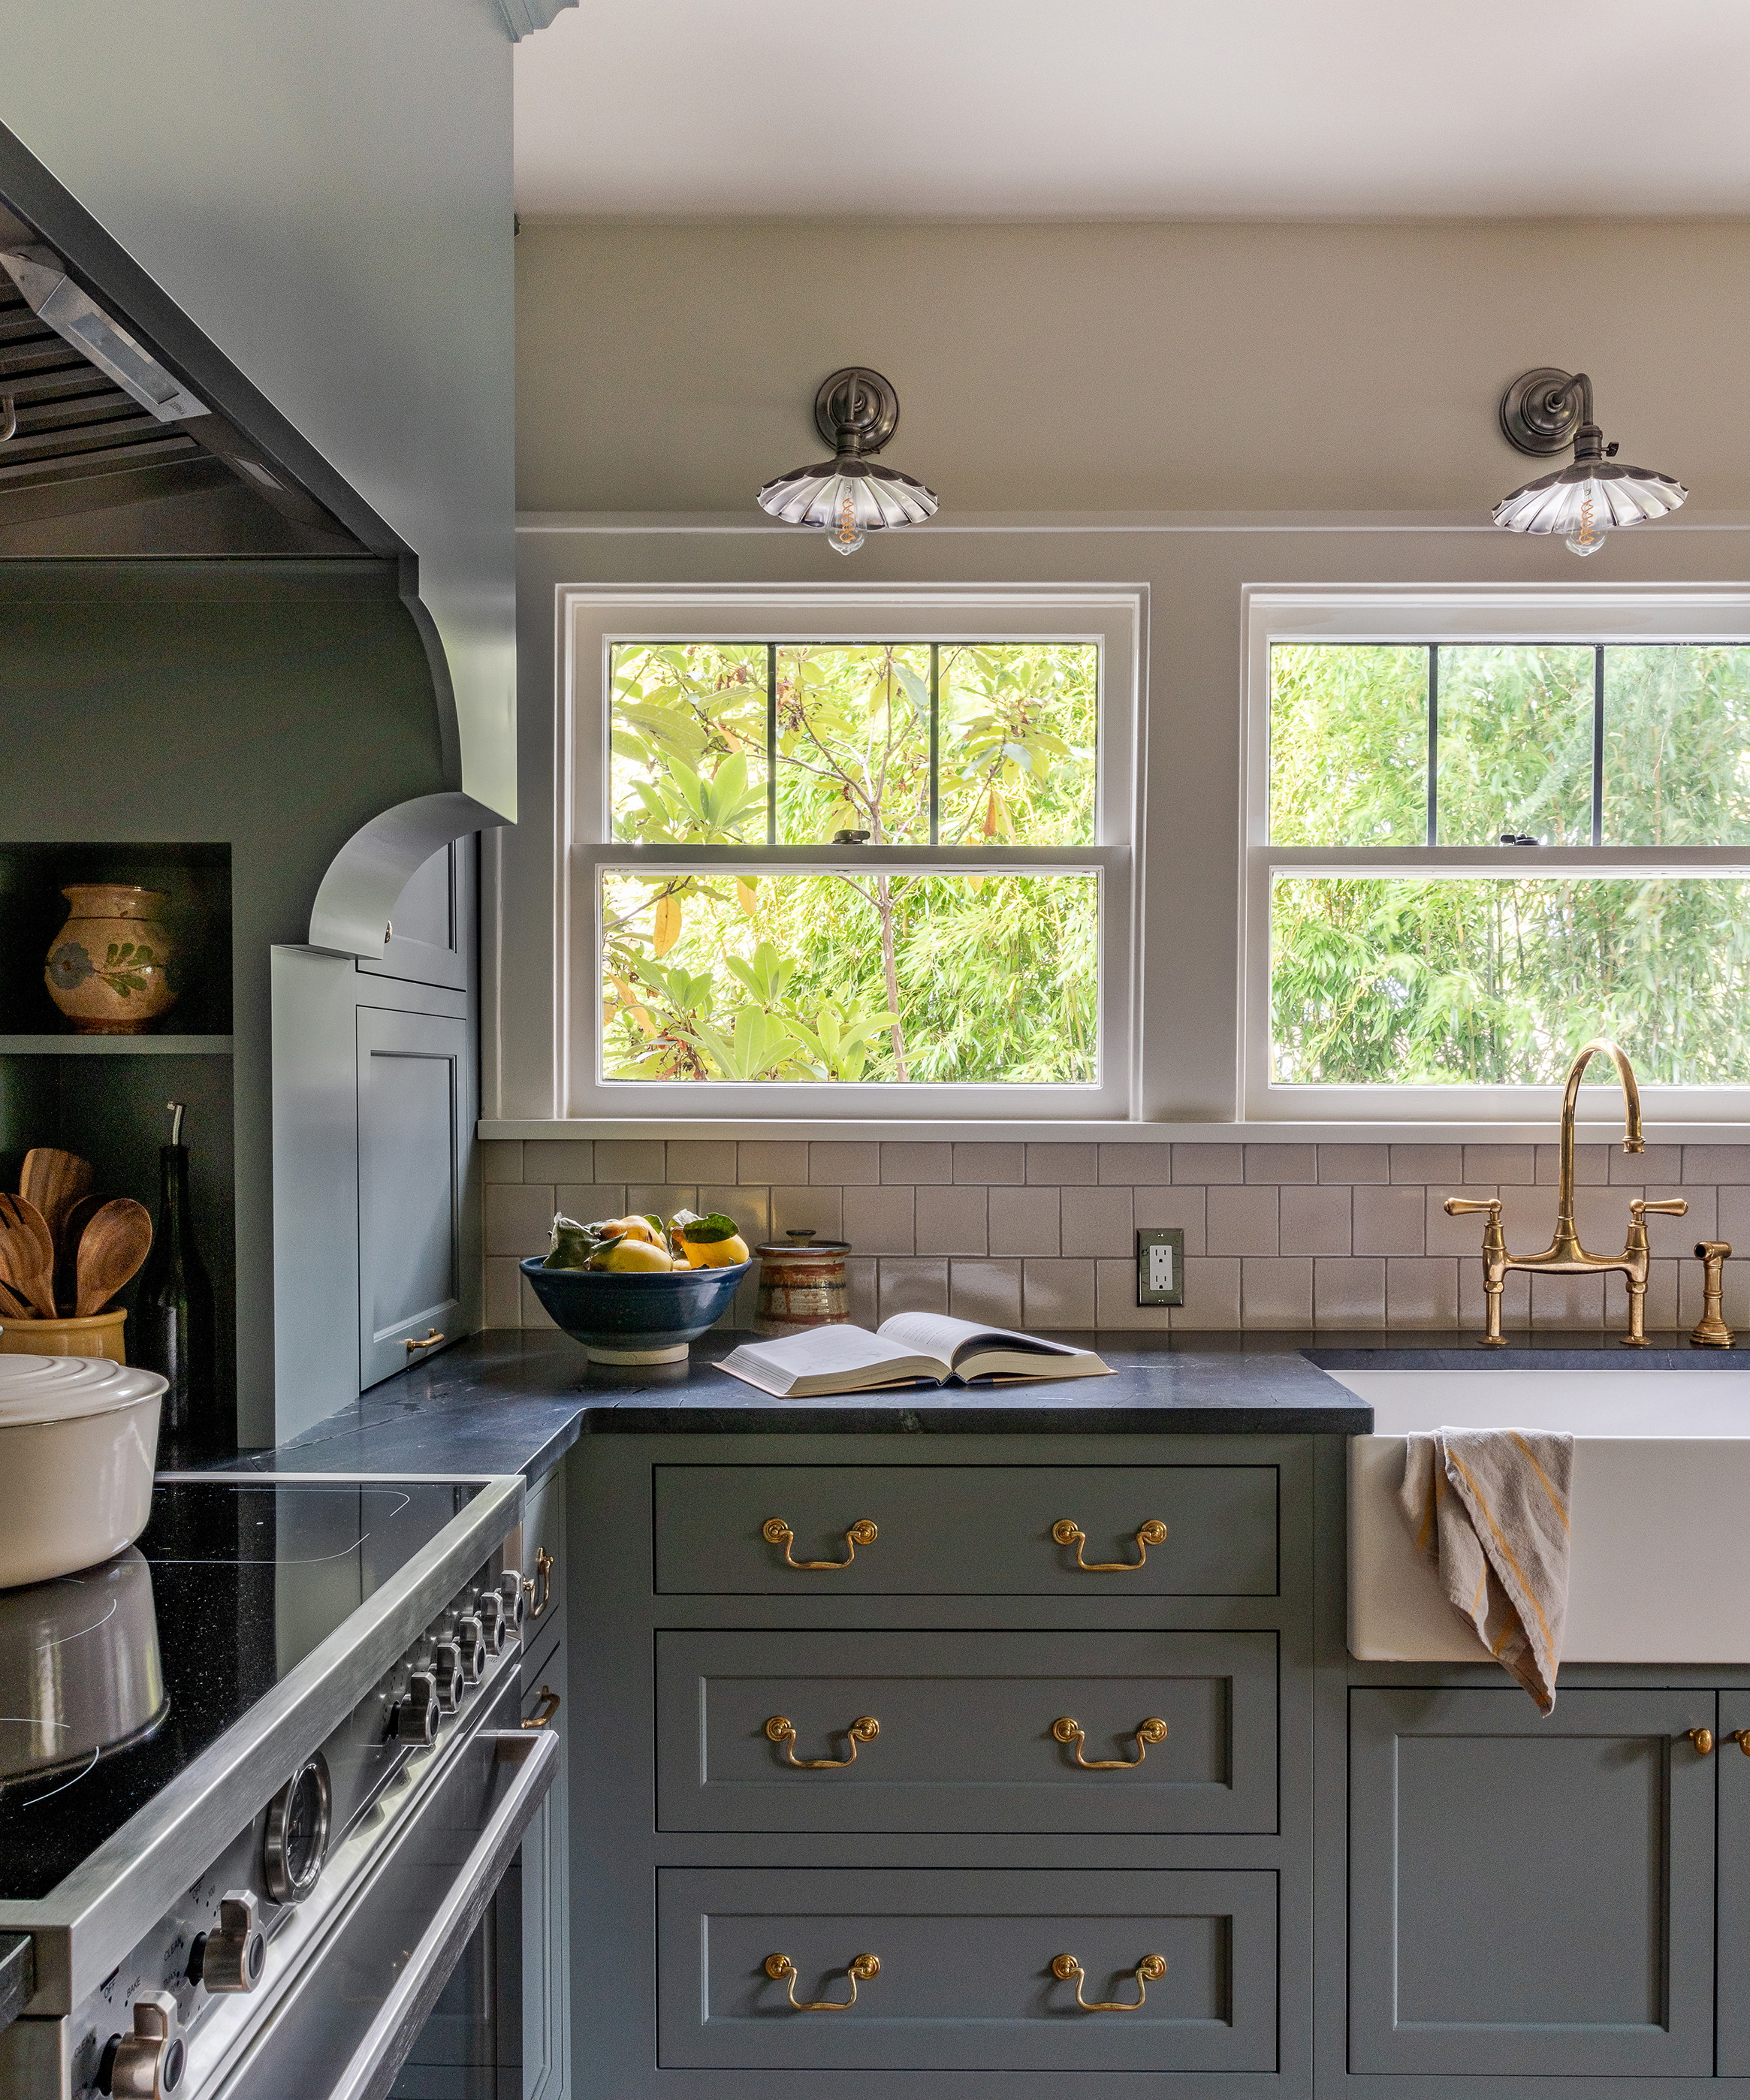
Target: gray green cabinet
{"points": [[1532, 1896], [828, 1682]]}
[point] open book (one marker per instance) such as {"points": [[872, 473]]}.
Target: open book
{"points": [[908, 1348]]}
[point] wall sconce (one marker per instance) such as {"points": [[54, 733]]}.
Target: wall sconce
{"points": [[857, 411], [1545, 411]]}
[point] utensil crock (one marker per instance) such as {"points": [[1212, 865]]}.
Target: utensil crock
{"points": [[803, 1284]]}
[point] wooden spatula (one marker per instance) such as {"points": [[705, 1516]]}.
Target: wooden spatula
{"points": [[55, 1180], [27, 1255], [111, 1248], [67, 1249]]}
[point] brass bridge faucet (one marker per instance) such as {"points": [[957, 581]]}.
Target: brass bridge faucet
{"points": [[1564, 1256]]}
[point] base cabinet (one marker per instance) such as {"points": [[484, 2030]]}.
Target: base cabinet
{"points": [[1531, 1896]]}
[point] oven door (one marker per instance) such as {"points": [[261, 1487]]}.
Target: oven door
{"points": [[345, 2023]]}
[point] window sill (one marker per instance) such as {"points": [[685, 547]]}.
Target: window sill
{"points": [[1595, 1128]]}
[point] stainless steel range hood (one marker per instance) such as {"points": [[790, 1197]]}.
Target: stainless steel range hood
{"points": [[104, 449]]}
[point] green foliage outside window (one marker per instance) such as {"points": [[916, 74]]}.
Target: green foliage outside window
{"points": [[877, 975], [1467, 980]]}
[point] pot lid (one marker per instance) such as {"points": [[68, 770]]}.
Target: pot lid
{"points": [[59, 1388]]}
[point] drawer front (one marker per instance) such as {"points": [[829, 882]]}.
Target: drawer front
{"points": [[967, 1530], [966, 1979], [966, 1740]]}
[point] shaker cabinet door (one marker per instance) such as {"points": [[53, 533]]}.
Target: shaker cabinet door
{"points": [[414, 1103], [429, 928], [1733, 1994], [1529, 1896]]}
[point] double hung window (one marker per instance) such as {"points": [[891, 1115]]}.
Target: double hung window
{"points": [[832, 856], [1475, 847]]}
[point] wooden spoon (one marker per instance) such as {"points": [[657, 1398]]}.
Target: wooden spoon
{"points": [[55, 1180], [67, 1249], [27, 1254], [111, 1248], [13, 1307]]}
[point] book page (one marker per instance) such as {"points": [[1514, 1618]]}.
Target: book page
{"points": [[943, 1335], [822, 1351]]}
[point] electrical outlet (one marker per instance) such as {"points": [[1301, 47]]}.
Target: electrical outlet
{"points": [[1160, 1265]]}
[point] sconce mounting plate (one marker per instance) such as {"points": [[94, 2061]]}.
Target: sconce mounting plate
{"points": [[1528, 419], [857, 403]]}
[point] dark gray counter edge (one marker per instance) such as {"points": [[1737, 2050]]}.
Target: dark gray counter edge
{"points": [[512, 1400]]}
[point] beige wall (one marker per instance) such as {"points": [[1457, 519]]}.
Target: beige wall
{"points": [[1126, 367]]}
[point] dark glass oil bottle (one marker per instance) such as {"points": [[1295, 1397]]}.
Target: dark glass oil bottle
{"points": [[174, 1330]]}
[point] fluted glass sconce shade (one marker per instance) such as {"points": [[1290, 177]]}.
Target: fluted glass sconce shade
{"points": [[1545, 411], [850, 495]]}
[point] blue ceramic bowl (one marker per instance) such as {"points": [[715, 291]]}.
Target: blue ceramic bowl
{"points": [[642, 1317]]}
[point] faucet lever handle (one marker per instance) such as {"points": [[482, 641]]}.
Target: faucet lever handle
{"points": [[1674, 1207], [1457, 1205]]}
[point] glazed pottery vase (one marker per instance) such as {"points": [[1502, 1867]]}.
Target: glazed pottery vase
{"points": [[106, 971]]}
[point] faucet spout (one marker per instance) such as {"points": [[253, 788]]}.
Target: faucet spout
{"points": [[1567, 1240]]}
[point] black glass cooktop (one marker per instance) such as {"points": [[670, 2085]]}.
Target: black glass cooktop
{"points": [[113, 1679]]}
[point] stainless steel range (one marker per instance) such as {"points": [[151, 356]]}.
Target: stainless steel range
{"points": [[260, 1777]]}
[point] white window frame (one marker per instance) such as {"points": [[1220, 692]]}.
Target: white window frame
{"points": [[1582, 613], [594, 619]]}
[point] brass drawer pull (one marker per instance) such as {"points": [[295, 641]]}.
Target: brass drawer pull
{"points": [[864, 1969], [864, 1729], [550, 1704], [1702, 1739], [543, 1575], [1153, 1730], [432, 1338], [1741, 1737], [1150, 1969], [776, 1532], [1067, 1532]]}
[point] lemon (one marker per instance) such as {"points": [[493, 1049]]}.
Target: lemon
{"points": [[631, 1254]]}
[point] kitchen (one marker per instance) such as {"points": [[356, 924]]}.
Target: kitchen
{"points": [[392, 569]]}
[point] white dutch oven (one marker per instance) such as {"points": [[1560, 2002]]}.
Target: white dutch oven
{"points": [[78, 1436]]}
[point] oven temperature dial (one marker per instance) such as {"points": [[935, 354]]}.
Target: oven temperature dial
{"points": [[148, 2063], [446, 1675], [296, 1842], [490, 1610], [516, 1598], [414, 1718], [470, 1640], [233, 1957]]}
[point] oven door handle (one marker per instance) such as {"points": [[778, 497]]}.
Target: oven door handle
{"points": [[377, 2060]]}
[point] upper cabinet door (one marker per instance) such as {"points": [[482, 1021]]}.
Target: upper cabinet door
{"points": [[415, 1106], [1527, 1896], [429, 931]]}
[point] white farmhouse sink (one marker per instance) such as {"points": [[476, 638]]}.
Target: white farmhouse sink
{"points": [[1660, 1488]]}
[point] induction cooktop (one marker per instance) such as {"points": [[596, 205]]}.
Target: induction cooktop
{"points": [[112, 1680]]}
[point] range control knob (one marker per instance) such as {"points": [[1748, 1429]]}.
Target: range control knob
{"points": [[470, 1637], [233, 1957], [414, 1717], [516, 1599], [446, 1675], [491, 1612], [148, 2063]]}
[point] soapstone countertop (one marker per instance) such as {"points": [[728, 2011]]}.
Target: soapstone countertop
{"points": [[510, 1401]]}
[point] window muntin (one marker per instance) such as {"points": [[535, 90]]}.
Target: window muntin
{"points": [[978, 962], [1447, 961]]}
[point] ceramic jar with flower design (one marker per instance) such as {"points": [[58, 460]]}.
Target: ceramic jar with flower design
{"points": [[108, 969]]}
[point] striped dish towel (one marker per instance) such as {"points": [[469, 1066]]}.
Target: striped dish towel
{"points": [[1489, 1508]]}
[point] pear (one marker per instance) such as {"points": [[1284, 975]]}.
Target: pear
{"points": [[630, 1254]]}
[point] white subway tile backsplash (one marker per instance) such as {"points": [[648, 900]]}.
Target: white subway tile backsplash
{"points": [[1567, 1302], [518, 1219], [503, 1305], [913, 1287], [589, 1201], [845, 1166], [917, 1163], [1136, 1166], [1349, 1291], [1208, 1162], [862, 1290], [1057, 1294], [1277, 1292], [1212, 1293], [624, 1160], [880, 1221], [985, 1290], [1592, 1164], [772, 1161], [1281, 1162], [1717, 1163], [557, 1159], [1421, 1291], [1463, 1233], [993, 1164], [1026, 1221], [1241, 1220], [1315, 1220], [751, 1208], [1355, 1162], [701, 1159], [1183, 1207], [1095, 1221], [820, 1210], [1428, 1162], [1390, 1220], [501, 1160], [952, 1220], [1501, 1162], [659, 1199], [1063, 1165], [1656, 1163], [1115, 1301]]}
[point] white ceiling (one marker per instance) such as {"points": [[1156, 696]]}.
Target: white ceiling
{"points": [[1031, 108]]}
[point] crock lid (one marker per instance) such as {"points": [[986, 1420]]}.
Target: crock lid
{"points": [[801, 1249], [61, 1388]]}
